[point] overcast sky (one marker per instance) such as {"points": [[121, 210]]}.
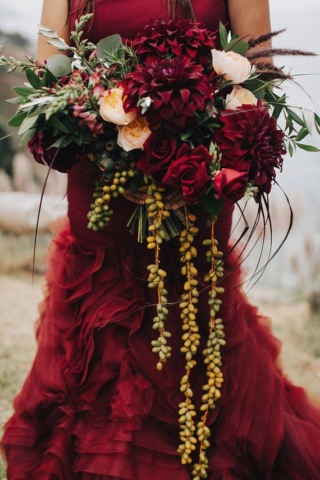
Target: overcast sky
{"points": [[21, 16]]}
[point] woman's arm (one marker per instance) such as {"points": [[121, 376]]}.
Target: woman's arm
{"points": [[54, 15], [249, 17]]}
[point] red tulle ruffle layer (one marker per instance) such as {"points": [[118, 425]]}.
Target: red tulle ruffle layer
{"points": [[94, 406]]}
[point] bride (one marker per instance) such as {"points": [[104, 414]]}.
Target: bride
{"points": [[94, 406]]}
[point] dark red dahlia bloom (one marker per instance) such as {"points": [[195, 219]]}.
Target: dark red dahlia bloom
{"points": [[230, 185], [189, 172], [250, 142], [63, 159], [182, 38], [159, 149], [177, 88]]}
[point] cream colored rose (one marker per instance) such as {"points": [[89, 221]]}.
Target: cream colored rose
{"points": [[111, 108], [240, 96], [134, 134], [231, 66]]}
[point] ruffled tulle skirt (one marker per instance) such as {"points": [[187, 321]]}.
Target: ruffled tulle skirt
{"points": [[94, 406]]}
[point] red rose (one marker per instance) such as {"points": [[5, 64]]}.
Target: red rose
{"points": [[159, 149], [189, 172], [230, 185]]}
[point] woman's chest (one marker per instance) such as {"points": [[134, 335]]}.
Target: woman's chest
{"points": [[127, 17]]}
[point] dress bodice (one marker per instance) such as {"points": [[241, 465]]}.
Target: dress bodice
{"points": [[126, 18]]}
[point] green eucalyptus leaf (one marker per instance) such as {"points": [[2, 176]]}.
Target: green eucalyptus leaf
{"points": [[303, 132], [78, 140], [59, 65], [289, 125], [17, 120], [295, 117], [67, 141], [59, 143], [317, 127], [257, 87], [317, 119], [223, 35], [59, 43], [16, 100], [277, 109], [47, 32], [186, 135], [28, 123], [48, 78], [58, 125], [24, 91], [307, 120], [290, 148], [211, 204], [108, 45], [308, 148], [27, 136], [41, 109], [238, 46], [33, 78], [260, 93]]}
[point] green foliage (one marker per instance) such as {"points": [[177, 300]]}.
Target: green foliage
{"points": [[211, 205], [223, 35], [299, 122], [59, 65], [236, 44], [17, 120], [33, 78], [46, 102], [109, 46]]}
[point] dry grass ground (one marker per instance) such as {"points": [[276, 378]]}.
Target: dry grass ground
{"points": [[293, 324]]}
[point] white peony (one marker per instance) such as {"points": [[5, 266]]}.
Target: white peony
{"points": [[134, 134], [111, 108], [239, 96], [231, 66]]}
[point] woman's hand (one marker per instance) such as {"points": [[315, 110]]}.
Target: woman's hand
{"points": [[137, 197], [174, 200]]}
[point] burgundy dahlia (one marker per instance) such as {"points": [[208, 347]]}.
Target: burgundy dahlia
{"points": [[177, 88], [182, 38], [59, 159], [250, 142]]}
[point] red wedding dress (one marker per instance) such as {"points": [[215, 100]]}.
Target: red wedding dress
{"points": [[94, 406]]}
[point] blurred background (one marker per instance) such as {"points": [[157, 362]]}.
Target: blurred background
{"points": [[289, 289], [21, 179]]}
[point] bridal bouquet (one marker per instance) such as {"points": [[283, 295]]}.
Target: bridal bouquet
{"points": [[176, 109]]}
